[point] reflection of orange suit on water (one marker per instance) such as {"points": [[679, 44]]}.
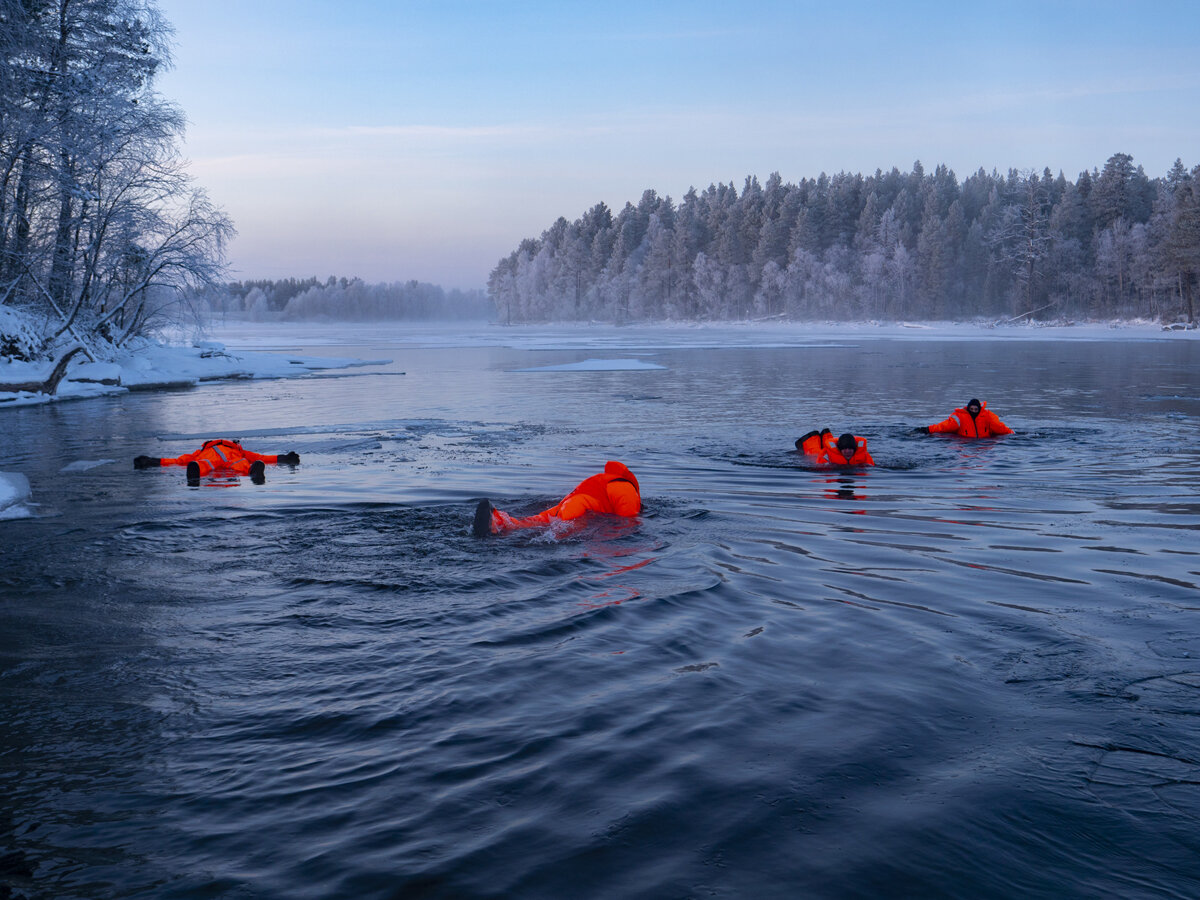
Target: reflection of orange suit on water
{"points": [[848, 450], [974, 420], [614, 491]]}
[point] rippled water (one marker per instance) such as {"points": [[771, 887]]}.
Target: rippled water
{"points": [[973, 671]]}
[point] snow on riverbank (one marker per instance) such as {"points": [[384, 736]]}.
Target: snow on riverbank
{"points": [[142, 365], [159, 365]]}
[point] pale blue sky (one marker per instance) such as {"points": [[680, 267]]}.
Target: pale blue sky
{"points": [[399, 140]]}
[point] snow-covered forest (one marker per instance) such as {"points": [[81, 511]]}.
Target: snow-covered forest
{"points": [[101, 229], [1112, 243], [349, 299]]}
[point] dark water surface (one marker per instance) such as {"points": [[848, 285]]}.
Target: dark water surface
{"points": [[973, 671]]}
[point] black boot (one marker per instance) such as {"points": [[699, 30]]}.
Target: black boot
{"points": [[482, 525], [258, 472], [193, 473]]}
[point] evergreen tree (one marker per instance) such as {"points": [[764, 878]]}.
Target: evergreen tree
{"points": [[888, 245]]}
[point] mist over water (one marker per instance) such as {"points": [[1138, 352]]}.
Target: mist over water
{"points": [[972, 671]]}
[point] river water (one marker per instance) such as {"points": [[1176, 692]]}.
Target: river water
{"points": [[972, 671]]}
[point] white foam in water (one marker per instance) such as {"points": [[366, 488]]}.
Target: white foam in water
{"points": [[14, 496]]}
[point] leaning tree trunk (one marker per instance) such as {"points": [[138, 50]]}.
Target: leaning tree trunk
{"points": [[50, 385]]}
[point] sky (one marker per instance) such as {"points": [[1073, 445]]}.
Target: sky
{"points": [[424, 139]]}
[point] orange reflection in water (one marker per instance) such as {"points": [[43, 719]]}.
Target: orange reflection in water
{"points": [[616, 554]]}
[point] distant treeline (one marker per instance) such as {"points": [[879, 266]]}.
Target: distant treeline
{"points": [[1113, 243], [349, 299]]}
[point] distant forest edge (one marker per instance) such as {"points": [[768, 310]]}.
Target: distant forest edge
{"points": [[350, 299], [1114, 243]]}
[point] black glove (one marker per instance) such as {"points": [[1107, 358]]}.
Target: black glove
{"points": [[146, 462], [292, 458], [924, 429]]}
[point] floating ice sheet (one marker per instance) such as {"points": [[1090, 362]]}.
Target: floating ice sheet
{"points": [[14, 496], [598, 365]]}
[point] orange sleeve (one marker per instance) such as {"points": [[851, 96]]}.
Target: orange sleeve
{"points": [[950, 424], [265, 457], [997, 426], [178, 460]]}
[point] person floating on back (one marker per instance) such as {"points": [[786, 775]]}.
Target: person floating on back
{"points": [[613, 492], [823, 450], [974, 420], [221, 457]]}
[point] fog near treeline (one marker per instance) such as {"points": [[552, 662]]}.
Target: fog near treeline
{"points": [[346, 299], [1113, 243]]}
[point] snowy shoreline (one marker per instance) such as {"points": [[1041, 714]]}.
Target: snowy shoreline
{"points": [[158, 366]]}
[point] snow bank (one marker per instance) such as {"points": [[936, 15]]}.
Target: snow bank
{"points": [[14, 496], [152, 364]]}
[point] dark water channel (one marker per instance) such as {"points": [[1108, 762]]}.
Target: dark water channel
{"points": [[973, 671]]}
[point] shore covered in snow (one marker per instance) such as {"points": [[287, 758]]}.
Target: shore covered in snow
{"points": [[143, 364], [154, 365]]}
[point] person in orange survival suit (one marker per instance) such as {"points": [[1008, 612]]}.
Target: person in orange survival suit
{"points": [[614, 492], [974, 420], [222, 456], [847, 450]]}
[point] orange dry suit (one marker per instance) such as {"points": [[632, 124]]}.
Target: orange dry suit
{"points": [[615, 492], [822, 449], [222, 456], [962, 423]]}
